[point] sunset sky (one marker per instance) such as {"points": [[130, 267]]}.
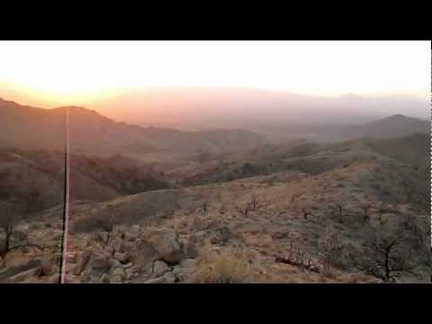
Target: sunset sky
{"points": [[76, 71]]}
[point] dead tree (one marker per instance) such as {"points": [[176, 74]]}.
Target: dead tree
{"points": [[339, 208], [390, 259], [11, 212], [387, 255], [305, 213], [204, 207], [244, 210], [366, 209], [329, 247], [254, 203]]}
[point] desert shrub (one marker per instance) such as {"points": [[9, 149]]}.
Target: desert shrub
{"points": [[223, 266]]}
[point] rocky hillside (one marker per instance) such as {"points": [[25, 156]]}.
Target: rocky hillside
{"points": [[408, 153], [36, 177], [212, 207], [334, 226]]}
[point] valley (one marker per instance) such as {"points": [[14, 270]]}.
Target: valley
{"points": [[160, 205]]}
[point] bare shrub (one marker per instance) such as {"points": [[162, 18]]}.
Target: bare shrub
{"points": [[298, 258], [11, 213], [329, 247], [244, 209]]}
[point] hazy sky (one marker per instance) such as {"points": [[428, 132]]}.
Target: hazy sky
{"points": [[66, 70]]}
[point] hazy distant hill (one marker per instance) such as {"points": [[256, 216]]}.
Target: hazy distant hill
{"points": [[393, 126], [249, 108], [28, 127]]}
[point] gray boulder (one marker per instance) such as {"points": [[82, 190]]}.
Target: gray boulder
{"points": [[160, 268], [166, 244]]}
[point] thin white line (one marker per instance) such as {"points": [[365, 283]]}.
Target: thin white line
{"points": [[67, 201]]}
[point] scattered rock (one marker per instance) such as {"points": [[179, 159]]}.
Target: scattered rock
{"points": [[145, 254], [126, 247], [98, 261], [117, 275], [105, 278], [102, 237], [117, 244], [221, 235], [168, 277], [92, 262], [7, 273], [180, 273], [166, 244], [133, 233], [280, 235], [122, 257], [191, 247], [160, 268], [185, 267], [83, 259], [72, 257], [26, 275], [47, 267], [54, 278], [188, 263]]}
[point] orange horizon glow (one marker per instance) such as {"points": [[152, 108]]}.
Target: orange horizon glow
{"points": [[65, 68], [55, 73]]}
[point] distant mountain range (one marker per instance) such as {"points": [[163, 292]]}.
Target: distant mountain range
{"points": [[393, 126], [235, 107], [35, 128], [29, 127]]}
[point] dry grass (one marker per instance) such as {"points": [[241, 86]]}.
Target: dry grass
{"points": [[225, 266], [258, 240]]}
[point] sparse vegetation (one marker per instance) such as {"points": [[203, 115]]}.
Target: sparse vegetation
{"points": [[224, 266], [296, 211]]}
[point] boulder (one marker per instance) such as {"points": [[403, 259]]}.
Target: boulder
{"points": [[92, 262], [160, 268], [83, 259], [47, 267], [132, 234], [145, 254], [184, 269], [102, 237], [166, 244], [117, 274], [98, 261]]}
